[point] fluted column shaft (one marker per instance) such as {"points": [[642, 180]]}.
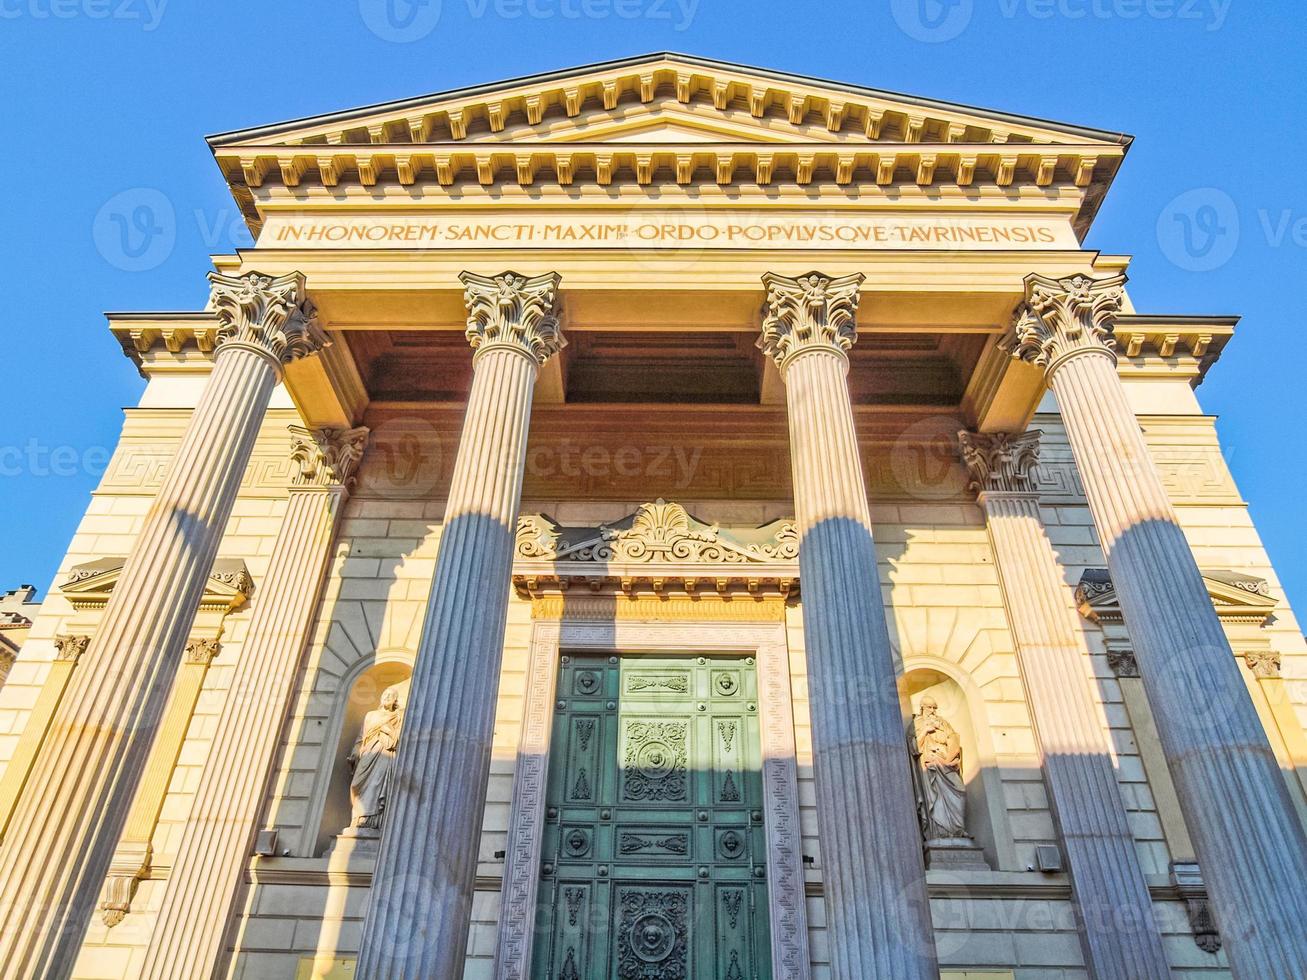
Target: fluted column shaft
{"points": [[187, 940], [1249, 841], [421, 903], [877, 910], [1117, 925], [68, 821]]}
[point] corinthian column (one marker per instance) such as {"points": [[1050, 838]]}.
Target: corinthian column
{"points": [[1249, 841], [877, 913], [1117, 926], [421, 903], [187, 940], [72, 809]]}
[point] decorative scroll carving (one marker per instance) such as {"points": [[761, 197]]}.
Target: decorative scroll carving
{"points": [[1062, 317], [1188, 880], [1000, 462], [89, 585], [514, 311], [655, 761], [1237, 597], [657, 532], [1263, 663], [271, 315], [326, 457], [811, 312]]}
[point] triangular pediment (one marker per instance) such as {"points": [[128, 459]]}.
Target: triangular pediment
{"points": [[544, 106], [667, 118]]}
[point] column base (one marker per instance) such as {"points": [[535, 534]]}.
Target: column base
{"points": [[955, 854]]}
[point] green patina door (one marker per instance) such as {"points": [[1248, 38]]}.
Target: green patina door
{"points": [[654, 851]]}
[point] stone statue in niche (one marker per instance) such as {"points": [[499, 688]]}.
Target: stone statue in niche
{"points": [[937, 752], [371, 762], [941, 792]]}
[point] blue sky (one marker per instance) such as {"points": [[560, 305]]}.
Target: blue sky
{"points": [[106, 97]]}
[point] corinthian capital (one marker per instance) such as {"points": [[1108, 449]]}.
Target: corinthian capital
{"points": [[812, 312], [511, 310], [271, 315], [1062, 317], [326, 457], [1000, 462]]}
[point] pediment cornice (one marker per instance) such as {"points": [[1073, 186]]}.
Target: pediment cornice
{"points": [[89, 585], [1236, 596], [667, 118]]}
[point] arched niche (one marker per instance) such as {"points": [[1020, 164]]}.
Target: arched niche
{"points": [[962, 705], [361, 692]]}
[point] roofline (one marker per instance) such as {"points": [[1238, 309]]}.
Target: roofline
{"points": [[400, 105]]}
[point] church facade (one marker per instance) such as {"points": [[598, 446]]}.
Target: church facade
{"points": [[662, 519]]}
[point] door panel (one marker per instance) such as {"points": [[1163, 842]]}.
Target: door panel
{"points": [[654, 852]]}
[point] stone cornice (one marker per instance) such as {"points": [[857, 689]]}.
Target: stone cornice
{"points": [[1062, 318], [271, 315], [808, 313], [1237, 597], [88, 586], [514, 311], [326, 458], [1000, 462]]}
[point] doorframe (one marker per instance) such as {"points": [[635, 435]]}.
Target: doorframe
{"points": [[767, 644]]}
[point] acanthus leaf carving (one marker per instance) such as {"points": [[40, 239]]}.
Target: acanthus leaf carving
{"points": [[1000, 462], [269, 314], [326, 457], [1064, 317], [514, 311], [810, 312]]}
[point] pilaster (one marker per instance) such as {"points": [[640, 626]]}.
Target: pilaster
{"points": [[1247, 835], [877, 911], [421, 902], [1116, 921], [52, 870], [187, 940]]}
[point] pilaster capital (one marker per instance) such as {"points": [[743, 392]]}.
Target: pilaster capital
{"points": [[1263, 663], [514, 311], [270, 315], [70, 646], [1064, 317], [1000, 462], [326, 457], [807, 313], [202, 650], [1122, 661]]}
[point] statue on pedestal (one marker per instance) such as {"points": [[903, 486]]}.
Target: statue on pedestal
{"points": [[371, 762]]}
